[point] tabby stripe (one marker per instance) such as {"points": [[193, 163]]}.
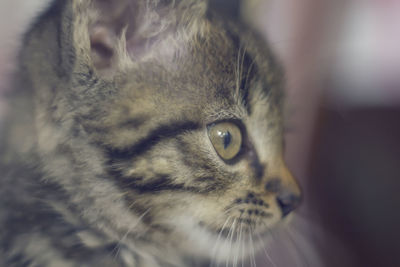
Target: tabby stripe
{"points": [[18, 260], [133, 123], [163, 183], [208, 183], [205, 179], [160, 184], [153, 138]]}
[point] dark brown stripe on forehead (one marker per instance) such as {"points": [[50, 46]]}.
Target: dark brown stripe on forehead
{"points": [[154, 137]]}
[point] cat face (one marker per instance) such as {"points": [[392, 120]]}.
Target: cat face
{"points": [[185, 109]]}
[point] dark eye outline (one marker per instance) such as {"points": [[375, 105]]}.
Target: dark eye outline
{"points": [[244, 145]]}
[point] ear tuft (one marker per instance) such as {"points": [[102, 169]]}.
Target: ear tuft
{"points": [[133, 30], [108, 19]]}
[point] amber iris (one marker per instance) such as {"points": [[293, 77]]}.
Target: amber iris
{"points": [[226, 139]]}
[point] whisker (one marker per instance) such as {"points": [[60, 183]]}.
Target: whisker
{"points": [[237, 74], [301, 252], [265, 251], [251, 255], [295, 252], [118, 245], [229, 209], [230, 235], [241, 228], [252, 259], [241, 65], [131, 205], [238, 241], [215, 250], [248, 73]]}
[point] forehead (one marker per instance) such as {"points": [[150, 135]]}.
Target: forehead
{"points": [[214, 76], [230, 69]]}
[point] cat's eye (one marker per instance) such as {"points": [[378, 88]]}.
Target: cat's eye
{"points": [[226, 139]]}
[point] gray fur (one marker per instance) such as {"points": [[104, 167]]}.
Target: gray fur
{"points": [[105, 158]]}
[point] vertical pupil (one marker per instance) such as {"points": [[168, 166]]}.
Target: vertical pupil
{"points": [[226, 138]]}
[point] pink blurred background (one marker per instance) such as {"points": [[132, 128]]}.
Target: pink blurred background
{"points": [[343, 114]]}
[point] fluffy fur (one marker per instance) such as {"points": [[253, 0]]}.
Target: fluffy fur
{"points": [[105, 159]]}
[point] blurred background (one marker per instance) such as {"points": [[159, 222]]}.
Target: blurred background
{"points": [[343, 85], [342, 64]]}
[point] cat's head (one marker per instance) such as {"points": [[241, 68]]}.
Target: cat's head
{"points": [[185, 106]]}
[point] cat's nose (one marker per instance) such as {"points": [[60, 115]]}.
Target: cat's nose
{"points": [[288, 201], [287, 191]]}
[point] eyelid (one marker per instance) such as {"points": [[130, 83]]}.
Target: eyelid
{"points": [[238, 122], [223, 117]]}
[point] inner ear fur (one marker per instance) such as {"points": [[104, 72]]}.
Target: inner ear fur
{"points": [[112, 21], [118, 30]]}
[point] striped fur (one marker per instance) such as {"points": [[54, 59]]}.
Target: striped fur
{"points": [[105, 157]]}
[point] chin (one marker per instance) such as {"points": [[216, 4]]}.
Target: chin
{"points": [[233, 242]]}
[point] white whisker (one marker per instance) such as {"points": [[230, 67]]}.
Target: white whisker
{"points": [[243, 243], [215, 248], [229, 209], [238, 242], [230, 237], [237, 74], [248, 73], [253, 260], [118, 245], [265, 251], [295, 245]]}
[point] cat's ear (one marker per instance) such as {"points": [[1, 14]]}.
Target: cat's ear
{"points": [[119, 30]]}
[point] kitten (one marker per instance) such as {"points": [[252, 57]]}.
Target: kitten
{"points": [[142, 133]]}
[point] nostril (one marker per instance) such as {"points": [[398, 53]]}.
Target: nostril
{"points": [[288, 202]]}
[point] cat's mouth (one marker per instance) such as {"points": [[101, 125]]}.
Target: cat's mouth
{"points": [[246, 217]]}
